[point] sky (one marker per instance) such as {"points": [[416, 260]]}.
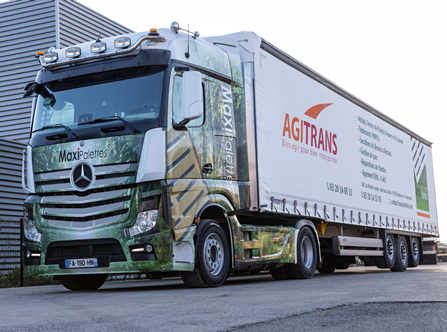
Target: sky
{"points": [[390, 54]]}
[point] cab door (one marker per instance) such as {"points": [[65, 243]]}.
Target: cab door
{"points": [[189, 159]]}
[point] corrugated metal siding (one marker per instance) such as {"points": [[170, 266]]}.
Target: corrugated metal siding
{"points": [[33, 25], [25, 27], [11, 192], [78, 23]]}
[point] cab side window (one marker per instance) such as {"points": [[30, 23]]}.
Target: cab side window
{"points": [[177, 114]]}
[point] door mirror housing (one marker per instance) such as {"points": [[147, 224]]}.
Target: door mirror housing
{"points": [[192, 95]]}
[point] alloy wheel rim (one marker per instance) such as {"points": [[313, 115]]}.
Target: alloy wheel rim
{"points": [[213, 254], [389, 247], [403, 251], [307, 253]]}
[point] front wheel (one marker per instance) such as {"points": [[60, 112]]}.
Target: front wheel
{"points": [[306, 252], [212, 257]]}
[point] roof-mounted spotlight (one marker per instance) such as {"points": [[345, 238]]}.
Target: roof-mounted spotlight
{"points": [[73, 52], [98, 47], [122, 42], [175, 27]]}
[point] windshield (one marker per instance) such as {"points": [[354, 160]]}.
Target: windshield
{"points": [[133, 95]]}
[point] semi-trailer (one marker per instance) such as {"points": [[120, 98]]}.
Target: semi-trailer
{"points": [[165, 152]]}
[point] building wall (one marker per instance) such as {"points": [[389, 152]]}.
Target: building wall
{"points": [[11, 192], [28, 26]]}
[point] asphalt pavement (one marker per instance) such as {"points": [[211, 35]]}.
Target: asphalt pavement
{"points": [[367, 299]]}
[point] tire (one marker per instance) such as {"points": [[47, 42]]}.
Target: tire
{"points": [[306, 252], [402, 255], [280, 273], [389, 253], [328, 265], [212, 257], [83, 282], [414, 252]]}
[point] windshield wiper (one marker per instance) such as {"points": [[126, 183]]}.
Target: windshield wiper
{"points": [[76, 137], [112, 118]]}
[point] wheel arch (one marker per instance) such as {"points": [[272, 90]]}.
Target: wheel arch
{"points": [[215, 207]]}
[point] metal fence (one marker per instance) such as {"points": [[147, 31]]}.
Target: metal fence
{"points": [[9, 244]]}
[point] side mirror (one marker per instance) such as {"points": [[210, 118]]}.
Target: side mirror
{"points": [[192, 95], [30, 89]]}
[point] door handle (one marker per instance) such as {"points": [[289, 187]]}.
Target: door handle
{"points": [[207, 168]]}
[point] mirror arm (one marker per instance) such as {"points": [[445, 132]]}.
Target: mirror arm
{"points": [[179, 126]]}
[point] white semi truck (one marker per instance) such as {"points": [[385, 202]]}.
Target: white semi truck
{"points": [[162, 151]]}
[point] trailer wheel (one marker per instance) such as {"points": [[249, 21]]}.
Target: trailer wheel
{"points": [[387, 260], [83, 282], [306, 252], [414, 256], [212, 257], [401, 263]]}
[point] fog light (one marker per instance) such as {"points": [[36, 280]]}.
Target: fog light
{"points": [[148, 248], [28, 254]]}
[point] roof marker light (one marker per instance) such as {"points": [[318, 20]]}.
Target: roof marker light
{"points": [[73, 52], [98, 47], [50, 57], [122, 42], [153, 32]]}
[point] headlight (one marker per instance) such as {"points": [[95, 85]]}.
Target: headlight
{"points": [[145, 222], [31, 232]]}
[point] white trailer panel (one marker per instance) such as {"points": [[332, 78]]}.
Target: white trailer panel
{"points": [[322, 155]]}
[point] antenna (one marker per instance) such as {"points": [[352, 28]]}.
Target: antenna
{"points": [[99, 36], [187, 53]]}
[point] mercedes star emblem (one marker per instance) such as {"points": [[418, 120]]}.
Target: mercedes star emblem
{"points": [[82, 176]]}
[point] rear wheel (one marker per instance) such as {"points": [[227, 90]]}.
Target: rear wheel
{"points": [[306, 253], [212, 257], [387, 260], [414, 252], [401, 263], [83, 282]]}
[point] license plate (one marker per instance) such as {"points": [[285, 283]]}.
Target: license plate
{"points": [[84, 262]]}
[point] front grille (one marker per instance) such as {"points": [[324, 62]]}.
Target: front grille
{"points": [[86, 205], [107, 200], [106, 176], [88, 218]]}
